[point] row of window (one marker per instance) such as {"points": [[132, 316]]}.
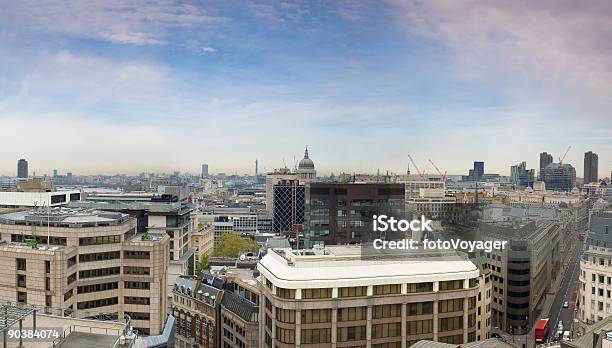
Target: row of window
{"points": [[361, 291]]}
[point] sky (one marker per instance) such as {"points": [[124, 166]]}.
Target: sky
{"points": [[108, 86]]}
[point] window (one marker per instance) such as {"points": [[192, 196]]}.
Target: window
{"points": [[136, 285], [100, 272], [20, 264], [137, 300], [139, 255], [316, 293], [285, 335], [285, 293], [285, 315], [451, 285], [136, 270], [357, 291], [352, 313], [449, 324], [99, 256], [387, 289], [387, 311], [97, 287], [386, 330], [310, 316], [420, 287], [454, 339], [351, 333], [99, 240], [21, 280], [455, 305], [418, 327], [419, 308], [22, 297], [98, 303]]}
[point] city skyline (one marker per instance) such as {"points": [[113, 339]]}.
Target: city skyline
{"points": [[105, 87]]}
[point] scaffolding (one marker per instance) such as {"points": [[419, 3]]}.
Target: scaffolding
{"points": [[10, 315]]}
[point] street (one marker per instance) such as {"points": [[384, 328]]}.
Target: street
{"points": [[568, 286]]}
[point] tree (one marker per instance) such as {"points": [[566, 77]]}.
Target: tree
{"points": [[232, 245], [202, 264]]}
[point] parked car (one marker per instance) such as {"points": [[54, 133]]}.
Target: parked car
{"points": [[566, 304]]}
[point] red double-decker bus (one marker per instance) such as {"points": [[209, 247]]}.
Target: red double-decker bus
{"points": [[541, 330]]}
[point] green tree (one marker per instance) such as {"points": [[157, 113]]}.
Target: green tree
{"points": [[202, 264], [232, 245]]}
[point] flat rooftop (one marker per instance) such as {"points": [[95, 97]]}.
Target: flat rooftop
{"points": [[338, 265], [64, 217]]}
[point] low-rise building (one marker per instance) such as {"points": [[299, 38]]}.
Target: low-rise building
{"points": [[87, 262], [336, 296]]}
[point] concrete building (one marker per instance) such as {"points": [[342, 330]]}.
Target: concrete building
{"points": [[341, 213], [202, 241], [524, 272], [230, 220], [333, 297], [22, 169], [85, 262], [204, 171], [521, 176], [17, 199], [559, 177], [596, 270], [175, 219], [591, 167], [545, 160]]}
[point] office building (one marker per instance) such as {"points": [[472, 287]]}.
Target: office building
{"points": [[272, 179], [590, 167], [476, 173], [478, 170], [289, 205], [241, 221], [595, 287], [204, 171], [17, 199], [334, 297], [155, 214], [341, 213], [559, 177], [528, 268], [545, 160], [521, 176], [87, 262], [22, 169]]}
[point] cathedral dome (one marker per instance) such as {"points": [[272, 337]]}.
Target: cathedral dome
{"points": [[306, 162]]}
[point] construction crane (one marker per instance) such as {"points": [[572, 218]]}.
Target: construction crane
{"points": [[421, 174], [565, 154], [438, 170]]}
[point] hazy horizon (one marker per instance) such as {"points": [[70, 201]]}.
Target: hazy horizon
{"points": [[104, 87]]}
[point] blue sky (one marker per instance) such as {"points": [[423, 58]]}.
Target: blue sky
{"points": [[107, 87]]}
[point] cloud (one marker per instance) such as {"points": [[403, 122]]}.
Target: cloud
{"points": [[138, 22], [547, 50], [90, 79]]}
